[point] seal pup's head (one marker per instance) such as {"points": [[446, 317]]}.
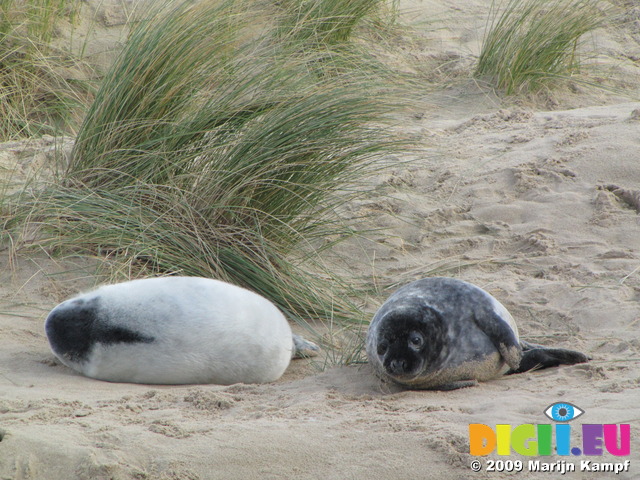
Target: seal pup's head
{"points": [[410, 340]]}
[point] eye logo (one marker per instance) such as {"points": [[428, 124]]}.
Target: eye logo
{"points": [[563, 412]]}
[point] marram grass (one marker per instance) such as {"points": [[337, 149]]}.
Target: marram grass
{"points": [[37, 93], [212, 150], [334, 31], [324, 22], [531, 44]]}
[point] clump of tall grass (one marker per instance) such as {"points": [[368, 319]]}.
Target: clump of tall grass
{"points": [[210, 150], [39, 93], [34, 19], [324, 22], [530, 44]]}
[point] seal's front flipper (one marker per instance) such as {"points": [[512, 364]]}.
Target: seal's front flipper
{"points": [[456, 385], [502, 336], [303, 348], [537, 357]]}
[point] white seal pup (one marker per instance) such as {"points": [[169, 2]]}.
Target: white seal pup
{"points": [[445, 333], [174, 330]]}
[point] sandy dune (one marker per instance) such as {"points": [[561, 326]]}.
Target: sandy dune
{"points": [[539, 206]]}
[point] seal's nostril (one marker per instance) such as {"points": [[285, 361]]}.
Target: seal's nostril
{"points": [[398, 366]]}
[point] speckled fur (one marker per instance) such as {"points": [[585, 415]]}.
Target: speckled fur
{"points": [[478, 338]]}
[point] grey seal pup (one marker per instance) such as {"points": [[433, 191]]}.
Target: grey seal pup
{"points": [[446, 333], [174, 330]]}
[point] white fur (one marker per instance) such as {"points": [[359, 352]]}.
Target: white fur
{"points": [[205, 331]]}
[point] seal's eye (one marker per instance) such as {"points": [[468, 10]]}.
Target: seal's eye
{"points": [[415, 341], [382, 348]]}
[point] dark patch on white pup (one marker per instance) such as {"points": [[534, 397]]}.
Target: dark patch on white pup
{"points": [[74, 327], [443, 333]]}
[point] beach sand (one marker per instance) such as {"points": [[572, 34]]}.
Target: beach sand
{"points": [[536, 201]]}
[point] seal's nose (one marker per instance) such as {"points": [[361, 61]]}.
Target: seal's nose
{"points": [[398, 366]]}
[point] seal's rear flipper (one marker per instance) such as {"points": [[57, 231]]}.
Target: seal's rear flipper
{"points": [[536, 357], [303, 348]]}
